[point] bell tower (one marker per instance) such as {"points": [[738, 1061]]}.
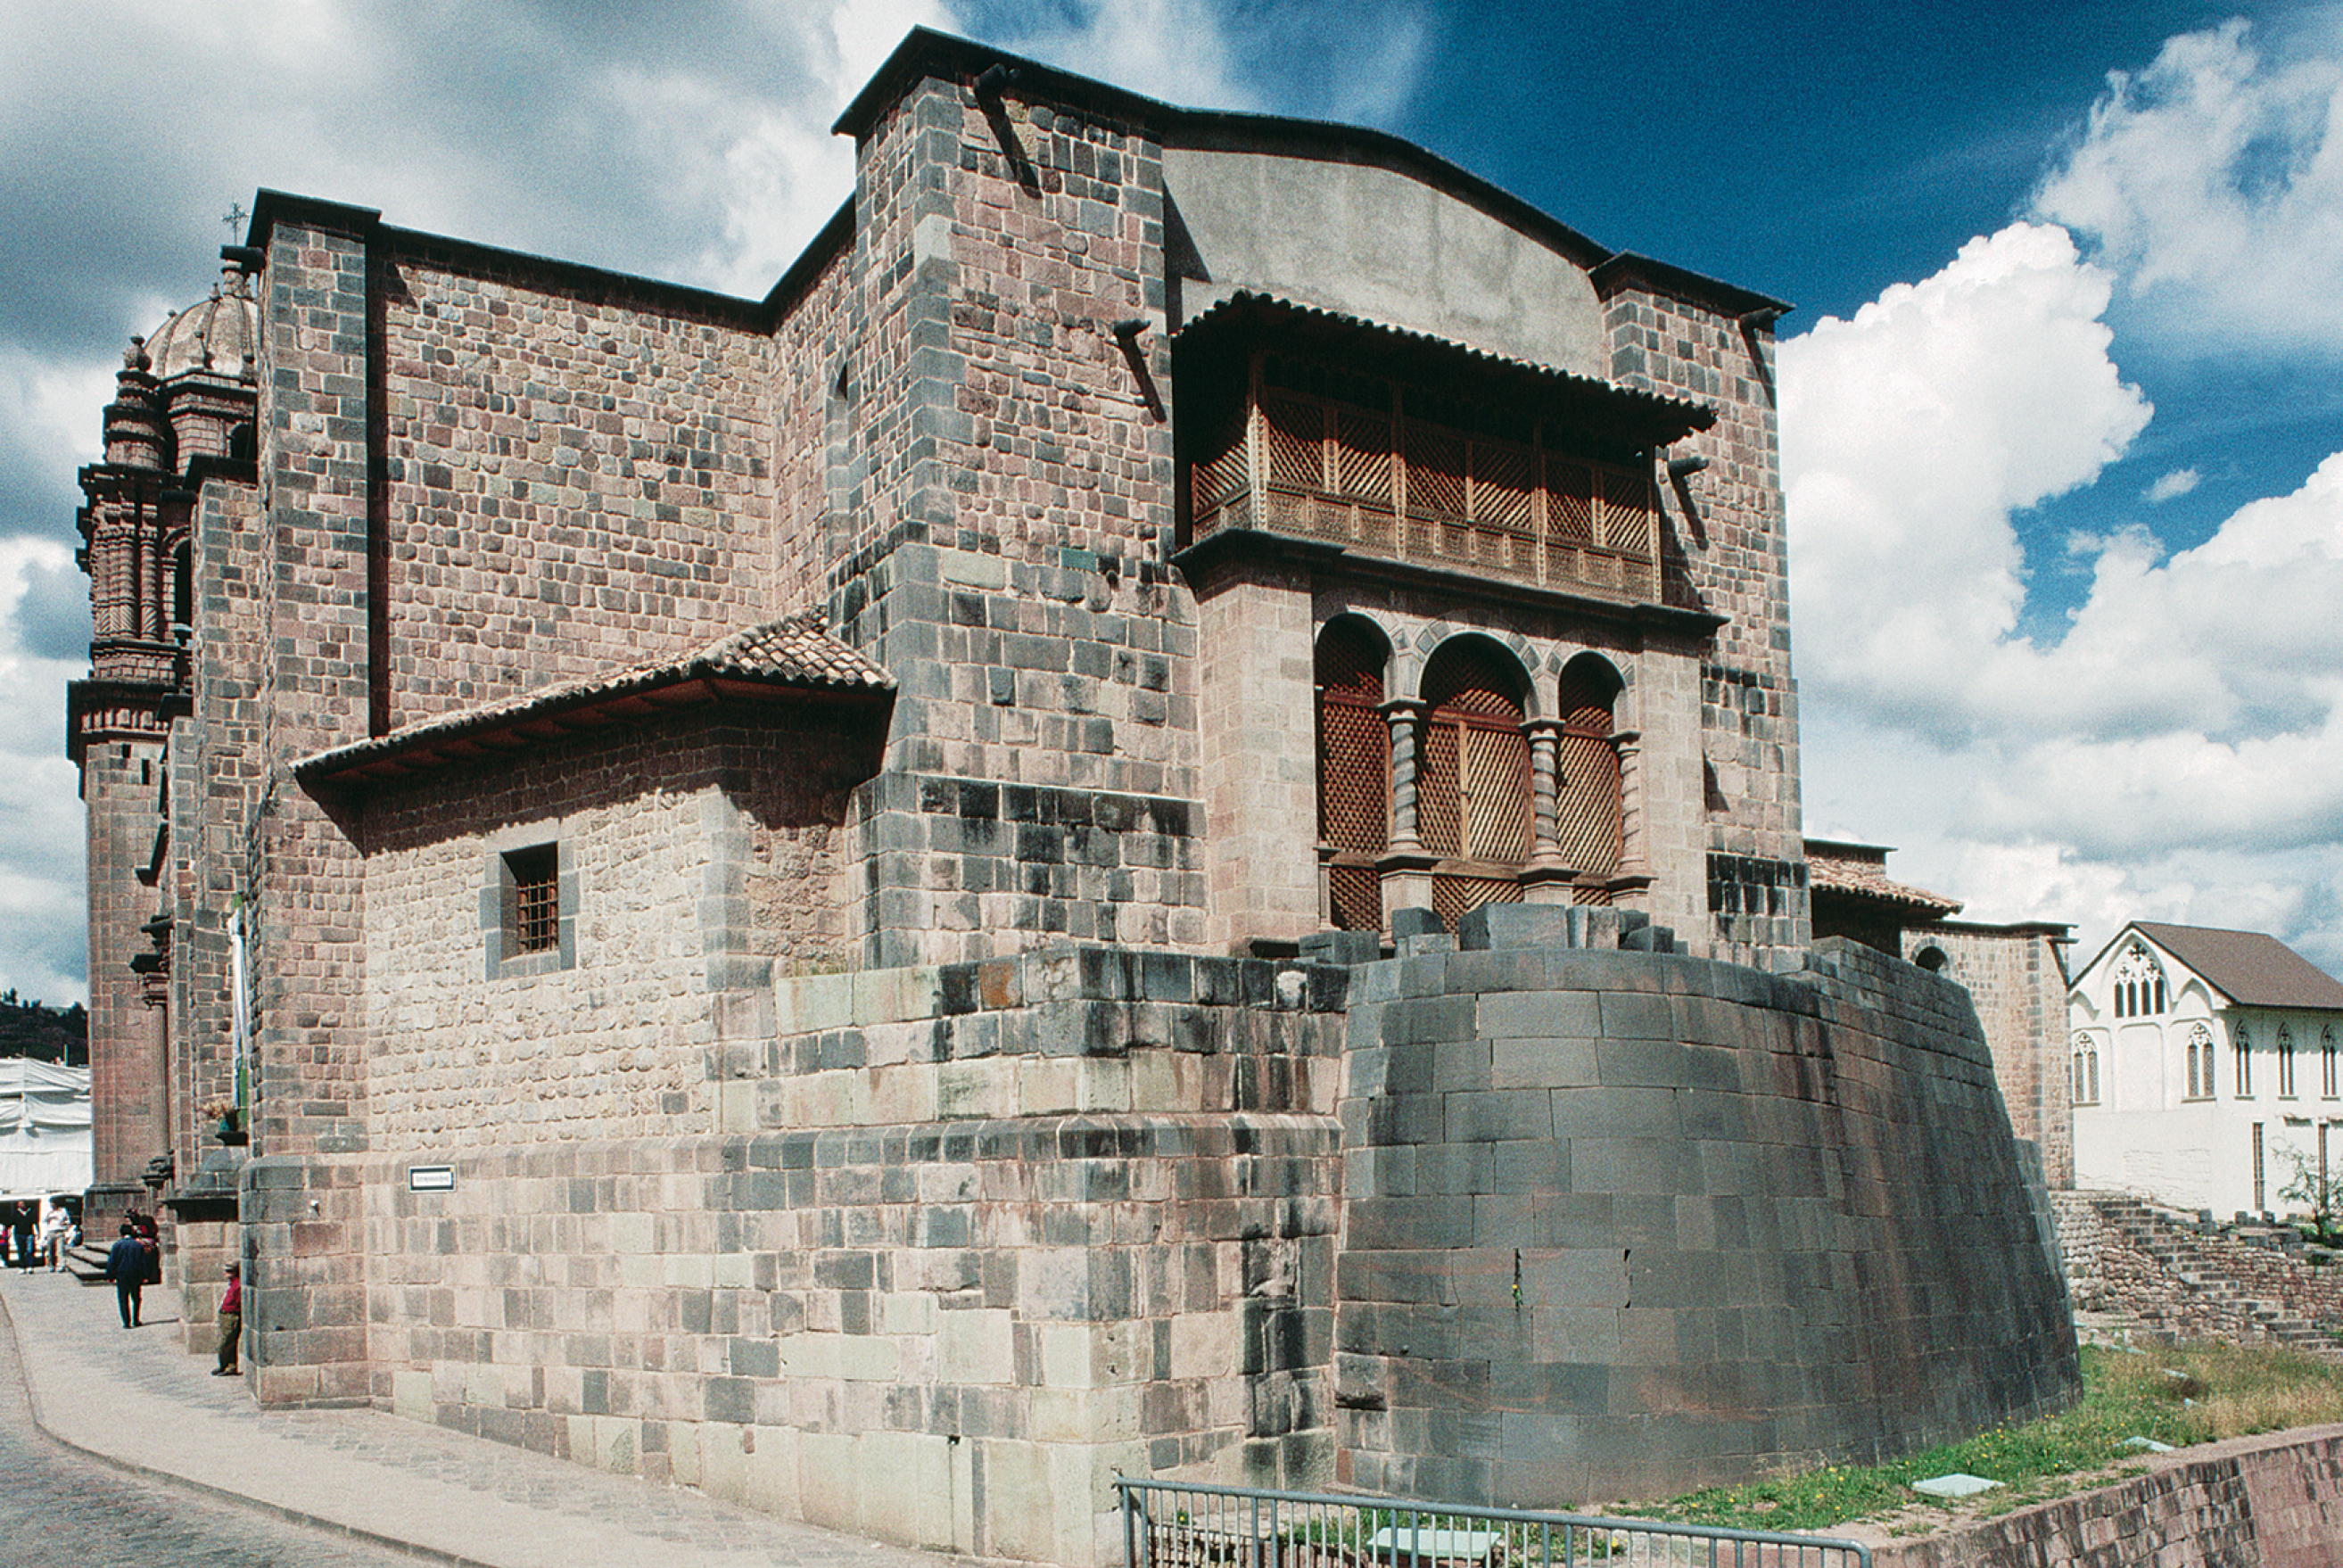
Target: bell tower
{"points": [[184, 399]]}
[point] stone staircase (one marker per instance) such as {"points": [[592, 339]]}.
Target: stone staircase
{"points": [[2205, 1275], [86, 1263]]}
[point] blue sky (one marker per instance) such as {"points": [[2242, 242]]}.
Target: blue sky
{"points": [[2056, 399]]}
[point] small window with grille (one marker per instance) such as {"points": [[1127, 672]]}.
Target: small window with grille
{"points": [[527, 909], [536, 898]]}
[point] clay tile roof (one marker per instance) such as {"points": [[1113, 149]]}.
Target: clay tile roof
{"points": [[2249, 967], [1243, 315], [782, 660], [1860, 870]]}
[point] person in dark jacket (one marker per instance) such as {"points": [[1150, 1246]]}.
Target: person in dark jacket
{"points": [[126, 1265]]}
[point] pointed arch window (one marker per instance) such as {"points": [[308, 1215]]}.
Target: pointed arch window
{"points": [[2285, 1062], [1472, 796], [1353, 773], [2200, 1061], [2138, 982], [2086, 1069], [2242, 1039], [2326, 1063]]}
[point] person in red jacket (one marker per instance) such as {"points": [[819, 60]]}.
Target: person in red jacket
{"points": [[231, 1326]]}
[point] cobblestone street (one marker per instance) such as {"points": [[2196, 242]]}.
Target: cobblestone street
{"points": [[61, 1508]]}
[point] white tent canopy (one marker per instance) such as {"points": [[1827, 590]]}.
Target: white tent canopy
{"points": [[45, 1133]]}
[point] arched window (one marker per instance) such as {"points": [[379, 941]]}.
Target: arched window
{"points": [[2327, 1061], [1586, 816], [1353, 771], [2086, 1069], [1930, 958], [2241, 1039], [1473, 782], [2200, 1063], [2139, 982], [2285, 1062]]}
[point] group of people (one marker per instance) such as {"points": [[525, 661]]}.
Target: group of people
{"points": [[34, 1233], [136, 1261], [31, 1234]]}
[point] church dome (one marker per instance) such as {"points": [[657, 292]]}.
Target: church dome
{"points": [[214, 334]]}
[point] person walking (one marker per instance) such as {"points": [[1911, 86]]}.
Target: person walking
{"points": [[55, 1226], [231, 1322], [126, 1265]]}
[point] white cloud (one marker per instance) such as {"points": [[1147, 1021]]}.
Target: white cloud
{"points": [[1909, 437], [41, 931], [694, 149], [2213, 180], [2179, 750], [2172, 486]]}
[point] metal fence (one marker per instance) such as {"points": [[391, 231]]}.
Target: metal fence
{"points": [[1182, 1525]]}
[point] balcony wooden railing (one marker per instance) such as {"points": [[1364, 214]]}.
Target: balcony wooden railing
{"points": [[1382, 483]]}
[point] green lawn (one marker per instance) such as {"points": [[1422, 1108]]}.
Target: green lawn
{"points": [[2181, 1395]]}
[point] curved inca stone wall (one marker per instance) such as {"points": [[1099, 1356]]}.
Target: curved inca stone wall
{"points": [[1620, 1224]]}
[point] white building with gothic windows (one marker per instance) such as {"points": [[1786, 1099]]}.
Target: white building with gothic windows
{"points": [[2203, 1066]]}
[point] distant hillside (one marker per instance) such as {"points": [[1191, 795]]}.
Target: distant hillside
{"points": [[29, 1029]]}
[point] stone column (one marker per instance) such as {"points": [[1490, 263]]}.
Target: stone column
{"points": [[1631, 883], [1405, 717], [1546, 879], [1406, 866]]}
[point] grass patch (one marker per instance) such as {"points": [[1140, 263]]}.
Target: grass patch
{"points": [[2180, 1394]]}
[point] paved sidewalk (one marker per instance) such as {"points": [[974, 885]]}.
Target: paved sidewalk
{"points": [[135, 1398]]}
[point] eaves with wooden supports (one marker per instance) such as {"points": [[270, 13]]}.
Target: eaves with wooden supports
{"points": [[782, 664]]}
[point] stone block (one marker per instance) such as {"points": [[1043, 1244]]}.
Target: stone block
{"points": [[1518, 926]]}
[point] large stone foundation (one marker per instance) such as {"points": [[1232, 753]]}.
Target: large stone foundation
{"points": [[1619, 1224], [1572, 1223]]}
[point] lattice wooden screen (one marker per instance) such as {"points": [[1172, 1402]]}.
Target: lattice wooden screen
{"points": [[1337, 464], [1354, 772], [1453, 897], [1472, 795], [1586, 771], [1439, 789], [1496, 794], [1586, 804]]}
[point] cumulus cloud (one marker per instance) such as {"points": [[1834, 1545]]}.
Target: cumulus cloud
{"points": [[1910, 435], [2212, 181], [2172, 486], [693, 146], [2177, 748]]}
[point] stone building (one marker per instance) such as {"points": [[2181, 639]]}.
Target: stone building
{"points": [[2015, 976], [1146, 823], [2203, 1065]]}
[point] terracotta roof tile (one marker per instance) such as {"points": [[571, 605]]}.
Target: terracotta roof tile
{"points": [[771, 661], [1861, 870]]}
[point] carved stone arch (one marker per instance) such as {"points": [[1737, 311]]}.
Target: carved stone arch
{"points": [[1442, 643], [1473, 802]]}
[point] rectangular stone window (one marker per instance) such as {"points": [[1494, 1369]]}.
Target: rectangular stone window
{"points": [[537, 898], [528, 905]]}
